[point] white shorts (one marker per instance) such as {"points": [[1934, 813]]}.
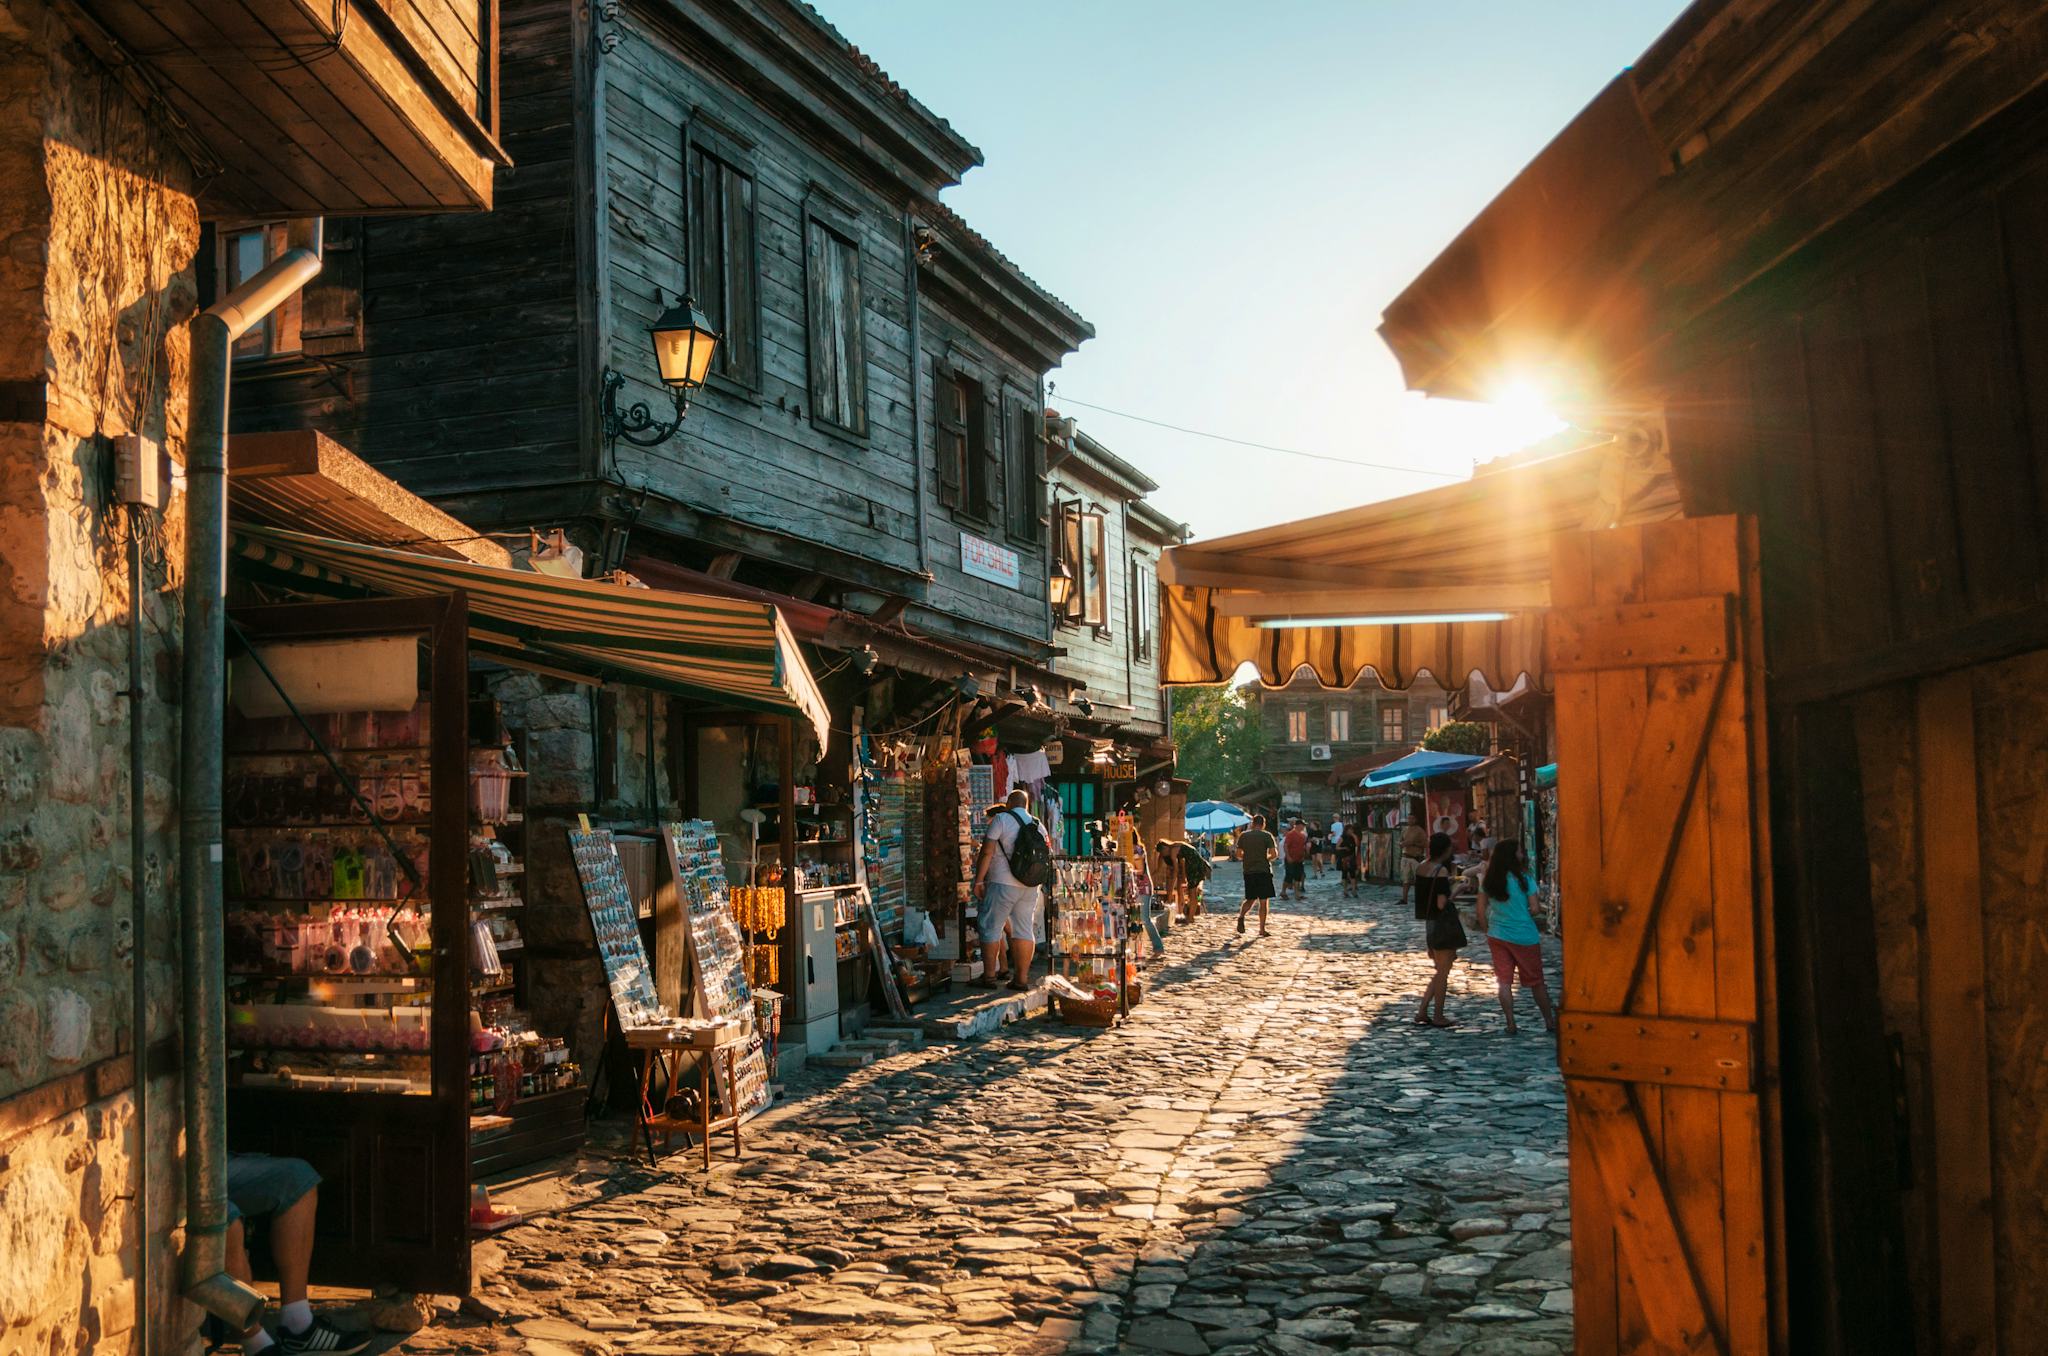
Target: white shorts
{"points": [[1017, 905]]}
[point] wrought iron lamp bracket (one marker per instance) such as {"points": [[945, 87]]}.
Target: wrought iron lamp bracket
{"points": [[636, 423]]}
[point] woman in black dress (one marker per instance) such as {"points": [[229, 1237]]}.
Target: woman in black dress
{"points": [[1444, 931]]}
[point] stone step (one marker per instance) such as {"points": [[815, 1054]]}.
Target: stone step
{"points": [[906, 1037], [842, 1058], [880, 1049], [986, 1017]]}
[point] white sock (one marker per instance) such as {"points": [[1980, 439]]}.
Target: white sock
{"points": [[296, 1316], [257, 1341]]}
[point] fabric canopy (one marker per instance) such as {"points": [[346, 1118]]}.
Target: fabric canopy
{"points": [[1482, 545], [1419, 764], [733, 651]]}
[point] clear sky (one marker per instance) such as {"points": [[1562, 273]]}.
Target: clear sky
{"points": [[1231, 193]]}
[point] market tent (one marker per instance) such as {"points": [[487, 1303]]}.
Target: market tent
{"points": [[1482, 545], [1419, 764], [729, 650], [1215, 816]]}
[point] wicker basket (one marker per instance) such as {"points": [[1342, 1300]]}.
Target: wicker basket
{"points": [[1086, 1011]]}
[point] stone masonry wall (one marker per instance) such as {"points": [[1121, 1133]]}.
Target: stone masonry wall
{"points": [[97, 235]]}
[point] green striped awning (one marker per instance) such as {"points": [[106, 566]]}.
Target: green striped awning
{"points": [[728, 650]]}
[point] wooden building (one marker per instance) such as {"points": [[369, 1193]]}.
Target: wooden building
{"points": [[1106, 543], [1311, 730], [1790, 259], [867, 438]]}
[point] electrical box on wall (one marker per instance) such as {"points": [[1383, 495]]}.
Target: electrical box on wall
{"points": [[142, 471]]}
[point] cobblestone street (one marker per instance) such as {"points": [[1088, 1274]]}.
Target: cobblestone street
{"points": [[1268, 1157]]}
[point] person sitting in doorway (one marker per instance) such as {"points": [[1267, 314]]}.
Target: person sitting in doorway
{"points": [[281, 1194]]}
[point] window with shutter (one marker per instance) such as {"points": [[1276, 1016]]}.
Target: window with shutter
{"points": [[1144, 603], [1067, 544], [1340, 725], [243, 252], [838, 350], [722, 270]]}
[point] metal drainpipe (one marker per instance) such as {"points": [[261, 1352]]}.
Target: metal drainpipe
{"points": [[138, 925], [203, 1274], [924, 565]]}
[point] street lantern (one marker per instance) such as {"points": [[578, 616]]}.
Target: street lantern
{"points": [[684, 345], [1060, 588]]}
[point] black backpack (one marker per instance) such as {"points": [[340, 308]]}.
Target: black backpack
{"points": [[1029, 857]]}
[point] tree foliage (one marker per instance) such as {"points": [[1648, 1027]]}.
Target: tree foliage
{"points": [[1459, 736], [1217, 739]]}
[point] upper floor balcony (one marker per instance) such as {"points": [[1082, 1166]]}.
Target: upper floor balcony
{"points": [[294, 108]]}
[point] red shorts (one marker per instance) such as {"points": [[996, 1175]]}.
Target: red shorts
{"points": [[1508, 957]]}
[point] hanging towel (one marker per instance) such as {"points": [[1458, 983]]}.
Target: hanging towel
{"points": [[1030, 767]]}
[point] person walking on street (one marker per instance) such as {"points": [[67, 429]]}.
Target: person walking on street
{"points": [[1414, 846], [1317, 848], [1443, 931], [1295, 849], [1347, 849], [1258, 847], [1503, 915], [1006, 901]]}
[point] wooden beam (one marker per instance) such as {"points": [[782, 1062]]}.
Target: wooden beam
{"points": [[1952, 998], [1638, 635], [1183, 565], [1674, 1052], [1372, 602], [889, 611], [724, 565]]}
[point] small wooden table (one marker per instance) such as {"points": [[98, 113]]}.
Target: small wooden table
{"points": [[720, 1048]]}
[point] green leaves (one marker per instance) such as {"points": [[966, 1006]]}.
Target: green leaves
{"points": [[1217, 738]]}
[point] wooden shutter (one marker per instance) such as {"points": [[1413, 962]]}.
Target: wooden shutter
{"points": [[332, 319], [949, 433], [853, 391], [1073, 557], [1094, 577], [821, 303], [1025, 490], [988, 452], [739, 348], [1668, 1043]]}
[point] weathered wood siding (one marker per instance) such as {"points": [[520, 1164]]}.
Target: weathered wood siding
{"points": [[1008, 382], [467, 374], [1883, 406], [1363, 700], [759, 457], [450, 38]]}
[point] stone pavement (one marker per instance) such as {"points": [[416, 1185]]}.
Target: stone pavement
{"points": [[1267, 1157]]}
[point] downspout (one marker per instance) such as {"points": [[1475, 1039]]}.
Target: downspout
{"points": [[924, 564], [203, 1271], [138, 929]]}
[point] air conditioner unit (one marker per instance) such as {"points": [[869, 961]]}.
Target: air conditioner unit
{"points": [[1319, 753]]}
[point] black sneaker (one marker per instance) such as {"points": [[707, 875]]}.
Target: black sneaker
{"points": [[321, 1336]]}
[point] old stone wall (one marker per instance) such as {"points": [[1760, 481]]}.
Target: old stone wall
{"points": [[97, 234]]}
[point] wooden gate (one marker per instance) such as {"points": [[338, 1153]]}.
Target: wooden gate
{"points": [[1668, 1042]]}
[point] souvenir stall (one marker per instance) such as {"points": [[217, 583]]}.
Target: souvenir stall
{"points": [[1090, 905], [721, 1040], [373, 947], [1379, 820]]}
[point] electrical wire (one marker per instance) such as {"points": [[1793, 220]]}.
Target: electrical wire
{"points": [[1262, 447]]}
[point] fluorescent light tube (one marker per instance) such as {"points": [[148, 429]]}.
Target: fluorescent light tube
{"points": [[1405, 619]]}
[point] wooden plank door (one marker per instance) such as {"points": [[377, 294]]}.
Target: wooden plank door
{"points": [[1668, 1040]]}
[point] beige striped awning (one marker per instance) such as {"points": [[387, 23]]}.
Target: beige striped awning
{"points": [[1482, 545], [732, 651]]}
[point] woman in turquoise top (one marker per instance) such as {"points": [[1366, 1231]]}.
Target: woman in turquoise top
{"points": [[1511, 935]]}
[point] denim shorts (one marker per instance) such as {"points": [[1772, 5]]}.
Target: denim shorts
{"points": [[260, 1186]]}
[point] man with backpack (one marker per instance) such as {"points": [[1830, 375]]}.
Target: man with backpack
{"points": [[1015, 860]]}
